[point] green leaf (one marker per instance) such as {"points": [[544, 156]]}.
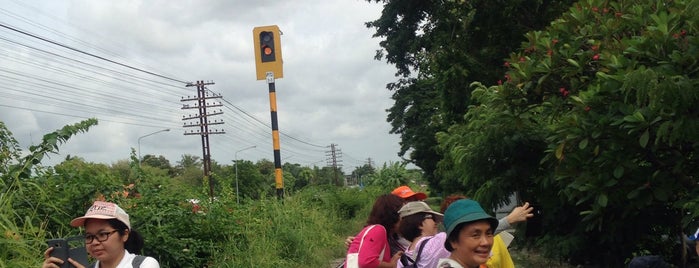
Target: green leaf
{"points": [[643, 141], [583, 144], [574, 63], [602, 200], [559, 151], [660, 194], [633, 194], [618, 172], [577, 99]]}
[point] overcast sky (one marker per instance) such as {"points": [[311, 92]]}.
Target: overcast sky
{"points": [[333, 91]]}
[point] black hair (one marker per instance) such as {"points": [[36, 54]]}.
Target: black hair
{"points": [[454, 236], [134, 244], [409, 226]]}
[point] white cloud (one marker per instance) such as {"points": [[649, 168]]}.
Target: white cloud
{"points": [[333, 91]]}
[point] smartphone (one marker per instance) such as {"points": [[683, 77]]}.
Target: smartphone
{"points": [[71, 247], [60, 250], [77, 252]]}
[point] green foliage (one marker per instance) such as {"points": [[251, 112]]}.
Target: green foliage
{"points": [[21, 216], [390, 176], [440, 47], [181, 225], [595, 122]]}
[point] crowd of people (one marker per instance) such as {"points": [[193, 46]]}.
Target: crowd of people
{"points": [[401, 231], [411, 235]]}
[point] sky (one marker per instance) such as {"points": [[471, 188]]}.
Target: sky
{"points": [[126, 63]]}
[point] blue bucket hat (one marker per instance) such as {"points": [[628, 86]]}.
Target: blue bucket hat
{"points": [[695, 236], [465, 210]]}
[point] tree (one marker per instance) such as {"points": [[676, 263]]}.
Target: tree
{"points": [[186, 162], [305, 177], [364, 170], [440, 47], [596, 123], [157, 162], [390, 176]]}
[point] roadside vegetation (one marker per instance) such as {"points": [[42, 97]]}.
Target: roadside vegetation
{"points": [[586, 109]]}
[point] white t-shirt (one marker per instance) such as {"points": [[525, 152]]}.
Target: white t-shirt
{"points": [[126, 261], [448, 263]]}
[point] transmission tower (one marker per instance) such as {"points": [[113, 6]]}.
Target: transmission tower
{"points": [[334, 160]]}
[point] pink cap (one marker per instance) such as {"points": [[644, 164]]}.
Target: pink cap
{"points": [[104, 211]]}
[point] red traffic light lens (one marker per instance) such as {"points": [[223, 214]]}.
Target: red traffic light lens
{"points": [[267, 50]]}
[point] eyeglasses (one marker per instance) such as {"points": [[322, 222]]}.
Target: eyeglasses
{"points": [[101, 236], [429, 216]]}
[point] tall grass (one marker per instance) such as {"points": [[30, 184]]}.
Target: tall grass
{"points": [[305, 230]]}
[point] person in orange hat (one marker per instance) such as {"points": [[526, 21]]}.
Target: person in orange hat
{"points": [[398, 243], [408, 194]]}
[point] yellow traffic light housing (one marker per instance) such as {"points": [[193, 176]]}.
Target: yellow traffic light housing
{"points": [[268, 51]]}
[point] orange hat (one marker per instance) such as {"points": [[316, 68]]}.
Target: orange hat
{"points": [[405, 192]]}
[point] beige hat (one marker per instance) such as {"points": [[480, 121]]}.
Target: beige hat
{"points": [[104, 211], [415, 207]]}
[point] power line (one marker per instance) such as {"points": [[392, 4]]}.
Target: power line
{"points": [[90, 54]]}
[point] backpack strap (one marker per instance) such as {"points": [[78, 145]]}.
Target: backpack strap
{"points": [[137, 261], [405, 260], [422, 246]]}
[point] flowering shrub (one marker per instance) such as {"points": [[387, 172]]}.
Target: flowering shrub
{"points": [[610, 89]]}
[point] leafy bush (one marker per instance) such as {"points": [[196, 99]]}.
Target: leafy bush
{"points": [[601, 130]]}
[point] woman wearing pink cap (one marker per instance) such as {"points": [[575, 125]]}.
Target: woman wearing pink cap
{"points": [[108, 238]]}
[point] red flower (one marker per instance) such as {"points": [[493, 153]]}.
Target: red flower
{"points": [[506, 64], [555, 41], [522, 59], [563, 92], [587, 108], [549, 52], [595, 9], [500, 82], [618, 14], [595, 57]]}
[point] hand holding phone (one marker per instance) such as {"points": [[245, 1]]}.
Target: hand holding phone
{"points": [[60, 250], [72, 247]]}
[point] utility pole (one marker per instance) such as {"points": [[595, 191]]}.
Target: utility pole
{"points": [[334, 160], [203, 115]]}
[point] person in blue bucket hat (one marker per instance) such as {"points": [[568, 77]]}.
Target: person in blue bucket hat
{"points": [[470, 233], [695, 238]]}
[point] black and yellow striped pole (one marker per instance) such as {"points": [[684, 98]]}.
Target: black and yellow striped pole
{"points": [[268, 63], [278, 179]]}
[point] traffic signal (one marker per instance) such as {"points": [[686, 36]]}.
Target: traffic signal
{"points": [[268, 52], [267, 46]]}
